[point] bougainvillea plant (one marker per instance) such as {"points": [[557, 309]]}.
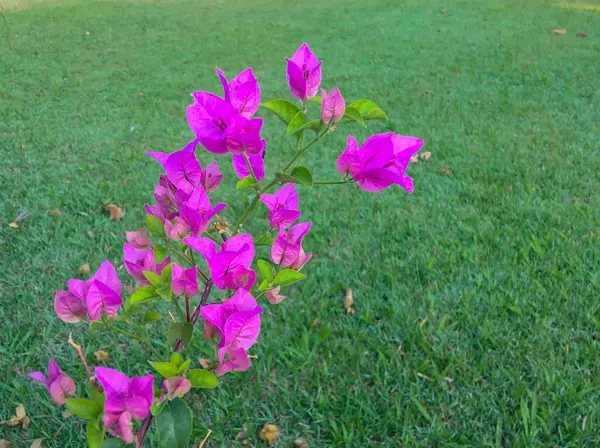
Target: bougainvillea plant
{"points": [[189, 248]]}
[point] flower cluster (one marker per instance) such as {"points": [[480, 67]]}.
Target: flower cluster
{"points": [[188, 248]]}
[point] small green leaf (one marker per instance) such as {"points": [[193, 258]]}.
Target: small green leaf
{"points": [[157, 407], [247, 182], [176, 359], [153, 278], [95, 435], [295, 125], [151, 316], [97, 397], [352, 113], [284, 109], [83, 408], [264, 285], [183, 367], [174, 424], [314, 125], [187, 333], [143, 295], [155, 226], [166, 369], [287, 277], [202, 378], [165, 275], [174, 332], [113, 443], [160, 253], [304, 175], [165, 291], [265, 269], [369, 110]]}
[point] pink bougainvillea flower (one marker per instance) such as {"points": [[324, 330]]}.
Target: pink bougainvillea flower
{"points": [[304, 73], [273, 295], [184, 281], [211, 177], [283, 206], [126, 398], [58, 384], [100, 294], [176, 386], [167, 204], [136, 261], [243, 92], [332, 106], [236, 322], [182, 169], [287, 247], [177, 229], [256, 162], [230, 266], [243, 134], [197, 211], [380, 162], [138, 239], [233, 360]]}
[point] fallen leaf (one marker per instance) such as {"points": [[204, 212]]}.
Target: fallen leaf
{"points": [[5, 443], [21, 412], [101, 355], [87, 33], [349, 301], [37, 443], [141, 94], [115, 212], [242, 436], [443, 11], [269, 433], [301, 443], [425, 377], [90, 234], [444, 170], [205, 363], [584, 423], [54, 212], [414, 159], [14, 225], [20, 417], [581, 34], [426, 155], [559, 31], [84, 269], [314, 324]]}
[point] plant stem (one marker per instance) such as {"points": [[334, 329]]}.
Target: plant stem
{"points": [[87, 369], [124, 332], [299, 153], [249, 166], [332, 182], [187, 307]]}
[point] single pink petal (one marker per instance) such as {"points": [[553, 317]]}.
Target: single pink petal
{"points": [[205, 246], [375, 180], [114, 383], [53, 370], [138, 406], [138, 239], [177, 386], [161, 157], [124, 428], [332, 106], [225, 84], [242, 329], [234, 360], [107, 274], [39, 377], [114, 406], [177, 230], [346, 159], [283, 218], [296, 81], [57, 392], [242, 300], [243, 241], [302, 260], [102, 299], [214, 315], [141, 386], [273, 295], [211, 177], [184, 170], [69, 308], [77, 288], [256, 162], [184, 281], [245, 93]]}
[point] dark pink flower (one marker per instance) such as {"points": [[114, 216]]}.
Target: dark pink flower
{"points": [[126, 398], [283, 206], [303, 73], [243, 92], [287, 248], [184, 281], [58, 384], [230, 265], [136, 261], [332, 106]]}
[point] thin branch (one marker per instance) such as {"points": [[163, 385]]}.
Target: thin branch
{"points": [[333, 182], [87, 369]]}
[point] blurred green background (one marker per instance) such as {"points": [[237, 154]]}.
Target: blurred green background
{"points": [[476, 298]]}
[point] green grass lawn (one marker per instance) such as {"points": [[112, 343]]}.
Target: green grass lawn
{"points": [[477, 297]]}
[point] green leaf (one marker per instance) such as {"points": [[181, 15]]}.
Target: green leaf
{"points": [[143, 295], [151, 316], [265, 284], [97, 397], [174, 424], [166, 369], [155, 226], [187, 333], [314, 125], [160, 253], [265, 269], [158, 407], [202, 378], [95, 436], [181, 331], [183, 367], [165, 291], [304, 175], [165, 275], [284, 109], [113, 443], [264, 240], [83, 408], [153, 278], [247, 182], [296, 123], [369, 110], [352, 113], [176, 359], [287, 277]]}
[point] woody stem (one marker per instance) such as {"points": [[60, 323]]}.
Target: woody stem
{"points": [[87, 369]]}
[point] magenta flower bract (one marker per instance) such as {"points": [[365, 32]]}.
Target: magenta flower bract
{"points": [[138, 239], [332, 106], [303, 73], [380, 162], [237, 323], [273, 295], [233, 360], [184, 281], [176, 386], [256, 162], [197, 211], [211, 177], [136, 261], [230, 266], [100, 294], [58, 384], [287, 248], [243, 92], [283, 206], [126, 398]]}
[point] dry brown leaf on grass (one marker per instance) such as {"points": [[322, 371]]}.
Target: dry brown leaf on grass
{"points": [[37, 443], [559, 31], [20, 418], [14, 225], [301, 443], [414, 159], [114, 211], [349, 301], [205, 363], [425, 156], [313, 327], [581, 34], [84, 269], [269, 433], [101, 355], [54, 212], [5, 443], [445, 171]]}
